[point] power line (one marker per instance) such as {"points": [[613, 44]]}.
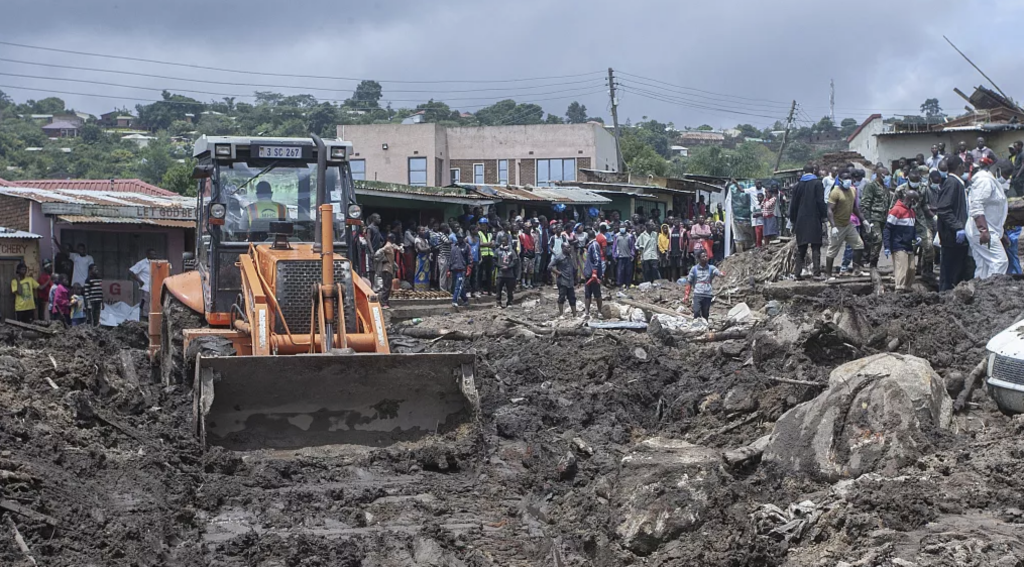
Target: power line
{"points": [[702, 99], [776, 102], [588, 82], [237, 95], [291, 75], [688, 104]]}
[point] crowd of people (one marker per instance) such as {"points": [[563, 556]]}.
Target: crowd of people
{"points": [[69, 289], [945, 209], [480, 255]]}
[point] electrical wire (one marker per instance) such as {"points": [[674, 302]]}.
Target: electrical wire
{"points": [[588, 82], [291, 75], [236, 95], [688, 104], [774, 102], [702, 99]]}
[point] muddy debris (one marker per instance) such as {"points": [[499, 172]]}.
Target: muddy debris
{"points": [[585, 454]]}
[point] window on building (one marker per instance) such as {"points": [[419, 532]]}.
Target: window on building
{"points": [[502, 172], [358, 169], [418, 171], [478, 173], [551, 170], [456, 175]]}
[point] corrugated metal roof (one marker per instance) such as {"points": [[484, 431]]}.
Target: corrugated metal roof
{"points": [[110, 185], [86, 219], [504, 193], [12, 233], [382, 187], [104, 198], [61, 125], [570, 195]]}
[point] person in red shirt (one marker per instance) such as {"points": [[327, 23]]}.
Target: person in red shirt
{"points": [[528, 251], [45, 280]]}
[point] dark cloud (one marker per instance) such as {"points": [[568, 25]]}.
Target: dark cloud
{"points": [[756, 56]]}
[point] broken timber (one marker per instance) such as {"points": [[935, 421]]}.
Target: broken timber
{"points": [[30, 327]]}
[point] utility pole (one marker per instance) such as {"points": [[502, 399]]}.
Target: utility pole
{"points": [[615, 118], [785, 136], [832, 101]]}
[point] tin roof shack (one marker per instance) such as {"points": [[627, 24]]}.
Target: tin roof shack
{"points": [[550, 202], [116, 227], [409, 203], [629, 192]]}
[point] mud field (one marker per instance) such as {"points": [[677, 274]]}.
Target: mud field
{"points": [[607, 449]]}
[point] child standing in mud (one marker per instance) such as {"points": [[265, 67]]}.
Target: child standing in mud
{"points": [[60, 304], [699, 282]]}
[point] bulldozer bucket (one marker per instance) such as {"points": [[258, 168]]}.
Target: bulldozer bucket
{"points": [[289, 402]]}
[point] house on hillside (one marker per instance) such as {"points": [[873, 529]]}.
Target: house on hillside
{"points": [[116, 119], [692, 138], [61, 129]]}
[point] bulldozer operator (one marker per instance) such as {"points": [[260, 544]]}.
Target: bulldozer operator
{"points": [[261, 212]]}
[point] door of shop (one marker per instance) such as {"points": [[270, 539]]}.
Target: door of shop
{"points": [[7, 275]]}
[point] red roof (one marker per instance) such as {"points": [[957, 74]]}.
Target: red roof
{"points": [[870, 119], [117, 185]]}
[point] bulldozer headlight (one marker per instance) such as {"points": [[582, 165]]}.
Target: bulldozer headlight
{"points": [[222, 150], [355, 211], [338, 152], [218, 211]]}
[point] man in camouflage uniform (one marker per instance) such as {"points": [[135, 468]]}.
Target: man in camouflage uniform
{"points": [[917, 179], [875, 203]]}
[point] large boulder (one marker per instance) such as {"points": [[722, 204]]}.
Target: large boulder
{"points": [[664, 489], [878, 414]]}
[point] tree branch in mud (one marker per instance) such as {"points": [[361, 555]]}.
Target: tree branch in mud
{"points": [[21, 541], [448, 335], [972, 382]]}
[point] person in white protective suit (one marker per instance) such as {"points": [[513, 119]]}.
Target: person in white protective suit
{"points": [[986, 211]]}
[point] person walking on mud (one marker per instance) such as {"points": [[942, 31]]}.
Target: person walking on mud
{"points": [[593, 270], [807, 212], [563, 267], [506, 261], [700, 283]]}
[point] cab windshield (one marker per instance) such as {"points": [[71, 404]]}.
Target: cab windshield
{"points": [[258, 193]]}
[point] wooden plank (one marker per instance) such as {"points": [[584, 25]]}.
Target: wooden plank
{"points": [[30, 327], [16, 508]]}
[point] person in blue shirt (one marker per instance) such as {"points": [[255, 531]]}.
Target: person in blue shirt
{"points": [[473, 240], [700, 283]]}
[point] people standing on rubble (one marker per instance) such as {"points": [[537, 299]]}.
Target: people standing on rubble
{"points": [[808, 212], [563, 268], [933, 161], [700, 237], [770, 223], [622, 251], [664, 246], [528, 253], [594, 272], [506, 261], [987, 209], [77, 306], [924, 226], [647, 246], [1011, 234], [951, 209], [743, 231], [386, 265], [444, 256], [875, 203], [93, 291], [421, 281], [718, 242], [842, 204], [459, 264], [60, 305], [45, 281], [980, 151], [700, 283], [24, 288], [899, 236]]}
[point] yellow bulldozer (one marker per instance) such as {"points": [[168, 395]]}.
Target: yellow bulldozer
{"points": [[283, 343]]}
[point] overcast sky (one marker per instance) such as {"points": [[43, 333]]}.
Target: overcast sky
{"points": [[746, 58]]}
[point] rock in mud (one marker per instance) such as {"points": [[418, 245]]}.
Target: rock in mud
{"points": [[663, 490], [879, 413]]}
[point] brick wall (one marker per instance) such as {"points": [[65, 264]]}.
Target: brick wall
{"points": [[582, 163], [14, 212], [465, 166], [527, 172]]}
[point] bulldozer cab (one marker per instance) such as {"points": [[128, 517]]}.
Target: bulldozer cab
{"points": [[245, 184]]}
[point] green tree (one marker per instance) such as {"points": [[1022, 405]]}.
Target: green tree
{"points": [[931, 109], [90, 133], [178, 178], [554, 119], [435, 111], [705, 128], [50, 105], [708, 160], [367, 94], [156, 160], [748, 131], [160, 114], [824, 125], [323, 120], [507, 112], [655, 135], [576, 113], [797, 152], [647, 162]]}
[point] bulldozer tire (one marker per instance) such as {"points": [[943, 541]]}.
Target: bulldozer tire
{"points": [[176, 318]]}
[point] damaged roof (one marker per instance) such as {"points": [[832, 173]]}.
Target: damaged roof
{"points": [[101, 198], [115, 185]]}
